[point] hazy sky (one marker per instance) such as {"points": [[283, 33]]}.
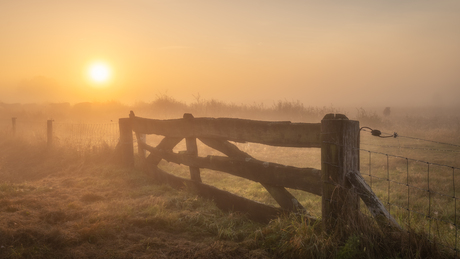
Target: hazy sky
{"points": [[354, 52]]}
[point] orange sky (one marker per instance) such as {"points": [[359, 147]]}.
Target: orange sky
{"points": [[356, 53]]}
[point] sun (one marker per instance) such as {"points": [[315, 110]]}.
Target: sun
{"points": [[99, 72]]}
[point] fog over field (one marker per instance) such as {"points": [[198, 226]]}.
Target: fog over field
{"points": [[341, 53], [79, 77]]}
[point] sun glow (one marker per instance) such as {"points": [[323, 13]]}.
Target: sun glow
{"points": [[99, 72]]}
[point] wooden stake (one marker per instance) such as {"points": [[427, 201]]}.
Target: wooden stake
{"points": [[339, 155], [192, 149], [126, 142]]}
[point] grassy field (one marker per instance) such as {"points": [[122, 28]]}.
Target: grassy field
{"points": [[74, 201], [57, 205]]}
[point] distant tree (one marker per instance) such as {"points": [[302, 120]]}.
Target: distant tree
{"points": [[387, 111]]}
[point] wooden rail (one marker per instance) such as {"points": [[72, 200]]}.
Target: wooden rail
{"points": [[284, 134], [337, 137], [339, 181], [305, 179]]}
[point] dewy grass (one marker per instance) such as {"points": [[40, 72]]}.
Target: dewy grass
{"points": [[89, 206], [72, 202]]}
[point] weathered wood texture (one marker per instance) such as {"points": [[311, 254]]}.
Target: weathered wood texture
{"points": [[225, 147], [338, 139], [166, 145], [216, 132], [192, 150], [140, 137], [283, 197], [224, 200], [239, 130], [306, 179], [140, 151], [375, 206], [126, 142], [339, 155]]}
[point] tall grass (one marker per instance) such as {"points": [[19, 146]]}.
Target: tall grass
{"points": [[89, 207], [289, 236], [54, 204]]}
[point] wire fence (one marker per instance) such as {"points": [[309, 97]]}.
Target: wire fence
{"points": [[30, 129], [79, 135], [420, 195], [86, 135]]}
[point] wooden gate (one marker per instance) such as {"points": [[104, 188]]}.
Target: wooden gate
{"points": [[336, 135]]}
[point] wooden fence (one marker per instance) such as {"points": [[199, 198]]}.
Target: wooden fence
{"points": [[338, 181]]}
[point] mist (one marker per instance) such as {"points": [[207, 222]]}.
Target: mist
{"points": [[344, 54]]}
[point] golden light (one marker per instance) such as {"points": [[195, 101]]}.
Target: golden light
{"points": [[99, 72]]}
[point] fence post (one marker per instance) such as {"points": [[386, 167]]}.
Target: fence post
{"points": [[126, 142], [140, 151], [192, 150], [339, 155], [49, 132], [13, 121], [140, 137]]}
